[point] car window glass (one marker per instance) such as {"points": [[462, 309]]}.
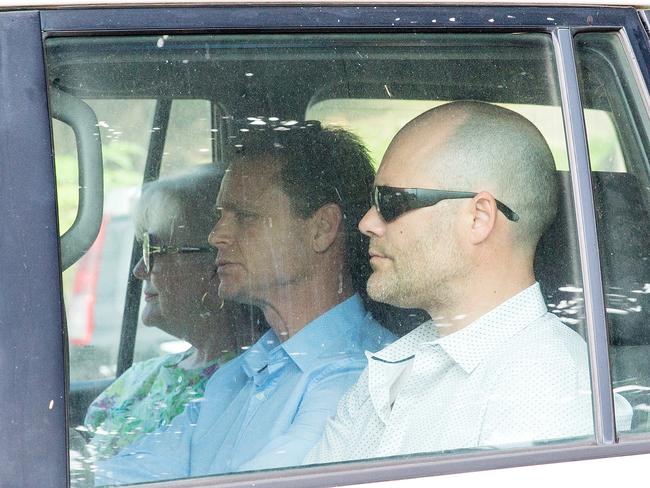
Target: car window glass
{"points": [[276, 321], [94, 288], [189, 142], [622, 204], [189, 137], [67, 174], [377, 121]]}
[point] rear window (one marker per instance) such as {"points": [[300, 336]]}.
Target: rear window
{"points": [[377, 121]]}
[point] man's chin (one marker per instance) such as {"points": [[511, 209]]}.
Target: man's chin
{"points": [[377, 289], [384, 290], [233, 294]]}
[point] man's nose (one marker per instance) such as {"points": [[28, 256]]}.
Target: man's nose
{"points": [[220, 235], [140, 271], [372, 224]]}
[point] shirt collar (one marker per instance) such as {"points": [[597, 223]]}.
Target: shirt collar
{"points": [[257, 358], [404, 348], [329, 333], [470, 345], [333, 332]]}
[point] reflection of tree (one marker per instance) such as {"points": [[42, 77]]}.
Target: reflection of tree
{"points": [[189, 135], [124, 127], [121, 158]]}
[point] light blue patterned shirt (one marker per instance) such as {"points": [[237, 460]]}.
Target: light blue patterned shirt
{"points": [[264, 409]]}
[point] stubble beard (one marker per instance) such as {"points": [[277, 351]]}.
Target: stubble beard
{"points": [[424, 279], [236, 292]]}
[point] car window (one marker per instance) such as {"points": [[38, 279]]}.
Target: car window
{"points": [[94, 288], [248, 250], [189, 120], [377, 121], [622, 203]]}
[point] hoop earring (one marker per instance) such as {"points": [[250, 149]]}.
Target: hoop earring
{"points": [[205, 296]]}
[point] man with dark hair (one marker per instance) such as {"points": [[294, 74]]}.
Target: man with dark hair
{"points": [[287, 243], [461, 198], [319, 166]]}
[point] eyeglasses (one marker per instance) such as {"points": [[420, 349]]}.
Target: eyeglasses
{"points": [[149, 250], [392, 202]]}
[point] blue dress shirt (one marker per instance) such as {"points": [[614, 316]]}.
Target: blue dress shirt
{"points": [[264, 409]]}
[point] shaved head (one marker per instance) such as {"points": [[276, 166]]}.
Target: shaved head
{"points": [[476, 146]]}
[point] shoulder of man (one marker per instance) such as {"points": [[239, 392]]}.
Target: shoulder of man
{"points": [[547, 348], [346, 361], [550, 336]]}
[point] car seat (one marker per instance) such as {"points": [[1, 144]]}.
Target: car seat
{"points": [[623, 239]]}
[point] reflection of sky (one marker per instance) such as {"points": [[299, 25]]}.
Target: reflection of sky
{"points": [[568, 305], [622, 302], [174, 347], [376, 121]]}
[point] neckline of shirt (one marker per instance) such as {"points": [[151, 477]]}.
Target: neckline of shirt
{"points": [[486, 333], [323, 334]]}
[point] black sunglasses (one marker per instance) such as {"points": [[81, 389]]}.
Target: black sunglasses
{"points": [[149, 250], [392, 202]]}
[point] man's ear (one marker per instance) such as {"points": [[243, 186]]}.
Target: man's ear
{"points": [[484, 214], [325, 225]]}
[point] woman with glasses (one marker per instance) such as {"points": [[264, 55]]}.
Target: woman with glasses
{"points": [[173, 219]]}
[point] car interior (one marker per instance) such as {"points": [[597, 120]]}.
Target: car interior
{"points": [[281, 76]]}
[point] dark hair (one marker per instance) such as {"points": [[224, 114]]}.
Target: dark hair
{"points": [[318, 166]]}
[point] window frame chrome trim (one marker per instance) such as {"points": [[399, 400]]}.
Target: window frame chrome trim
{"points": [[643, 16], [580, 169], [635, 69], [379, 470]]}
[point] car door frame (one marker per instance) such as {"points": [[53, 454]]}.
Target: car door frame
{"points": [[32, 387], [34, 349]]}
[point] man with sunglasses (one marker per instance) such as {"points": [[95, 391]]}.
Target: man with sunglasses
{"points": [[462, 196]]}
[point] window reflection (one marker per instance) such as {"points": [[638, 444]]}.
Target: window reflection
{"points": [[622, 201], [178, 272], [286, 243], [445, 327]]}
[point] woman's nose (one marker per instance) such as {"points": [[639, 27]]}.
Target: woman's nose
{"points": [[139, 270]]}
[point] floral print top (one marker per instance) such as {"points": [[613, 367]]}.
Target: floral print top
{"points": [[143, 399]]}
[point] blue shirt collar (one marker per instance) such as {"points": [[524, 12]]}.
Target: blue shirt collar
{"points": [[328, 334]]}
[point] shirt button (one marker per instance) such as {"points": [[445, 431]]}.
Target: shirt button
{"points": [[260, 396]]}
